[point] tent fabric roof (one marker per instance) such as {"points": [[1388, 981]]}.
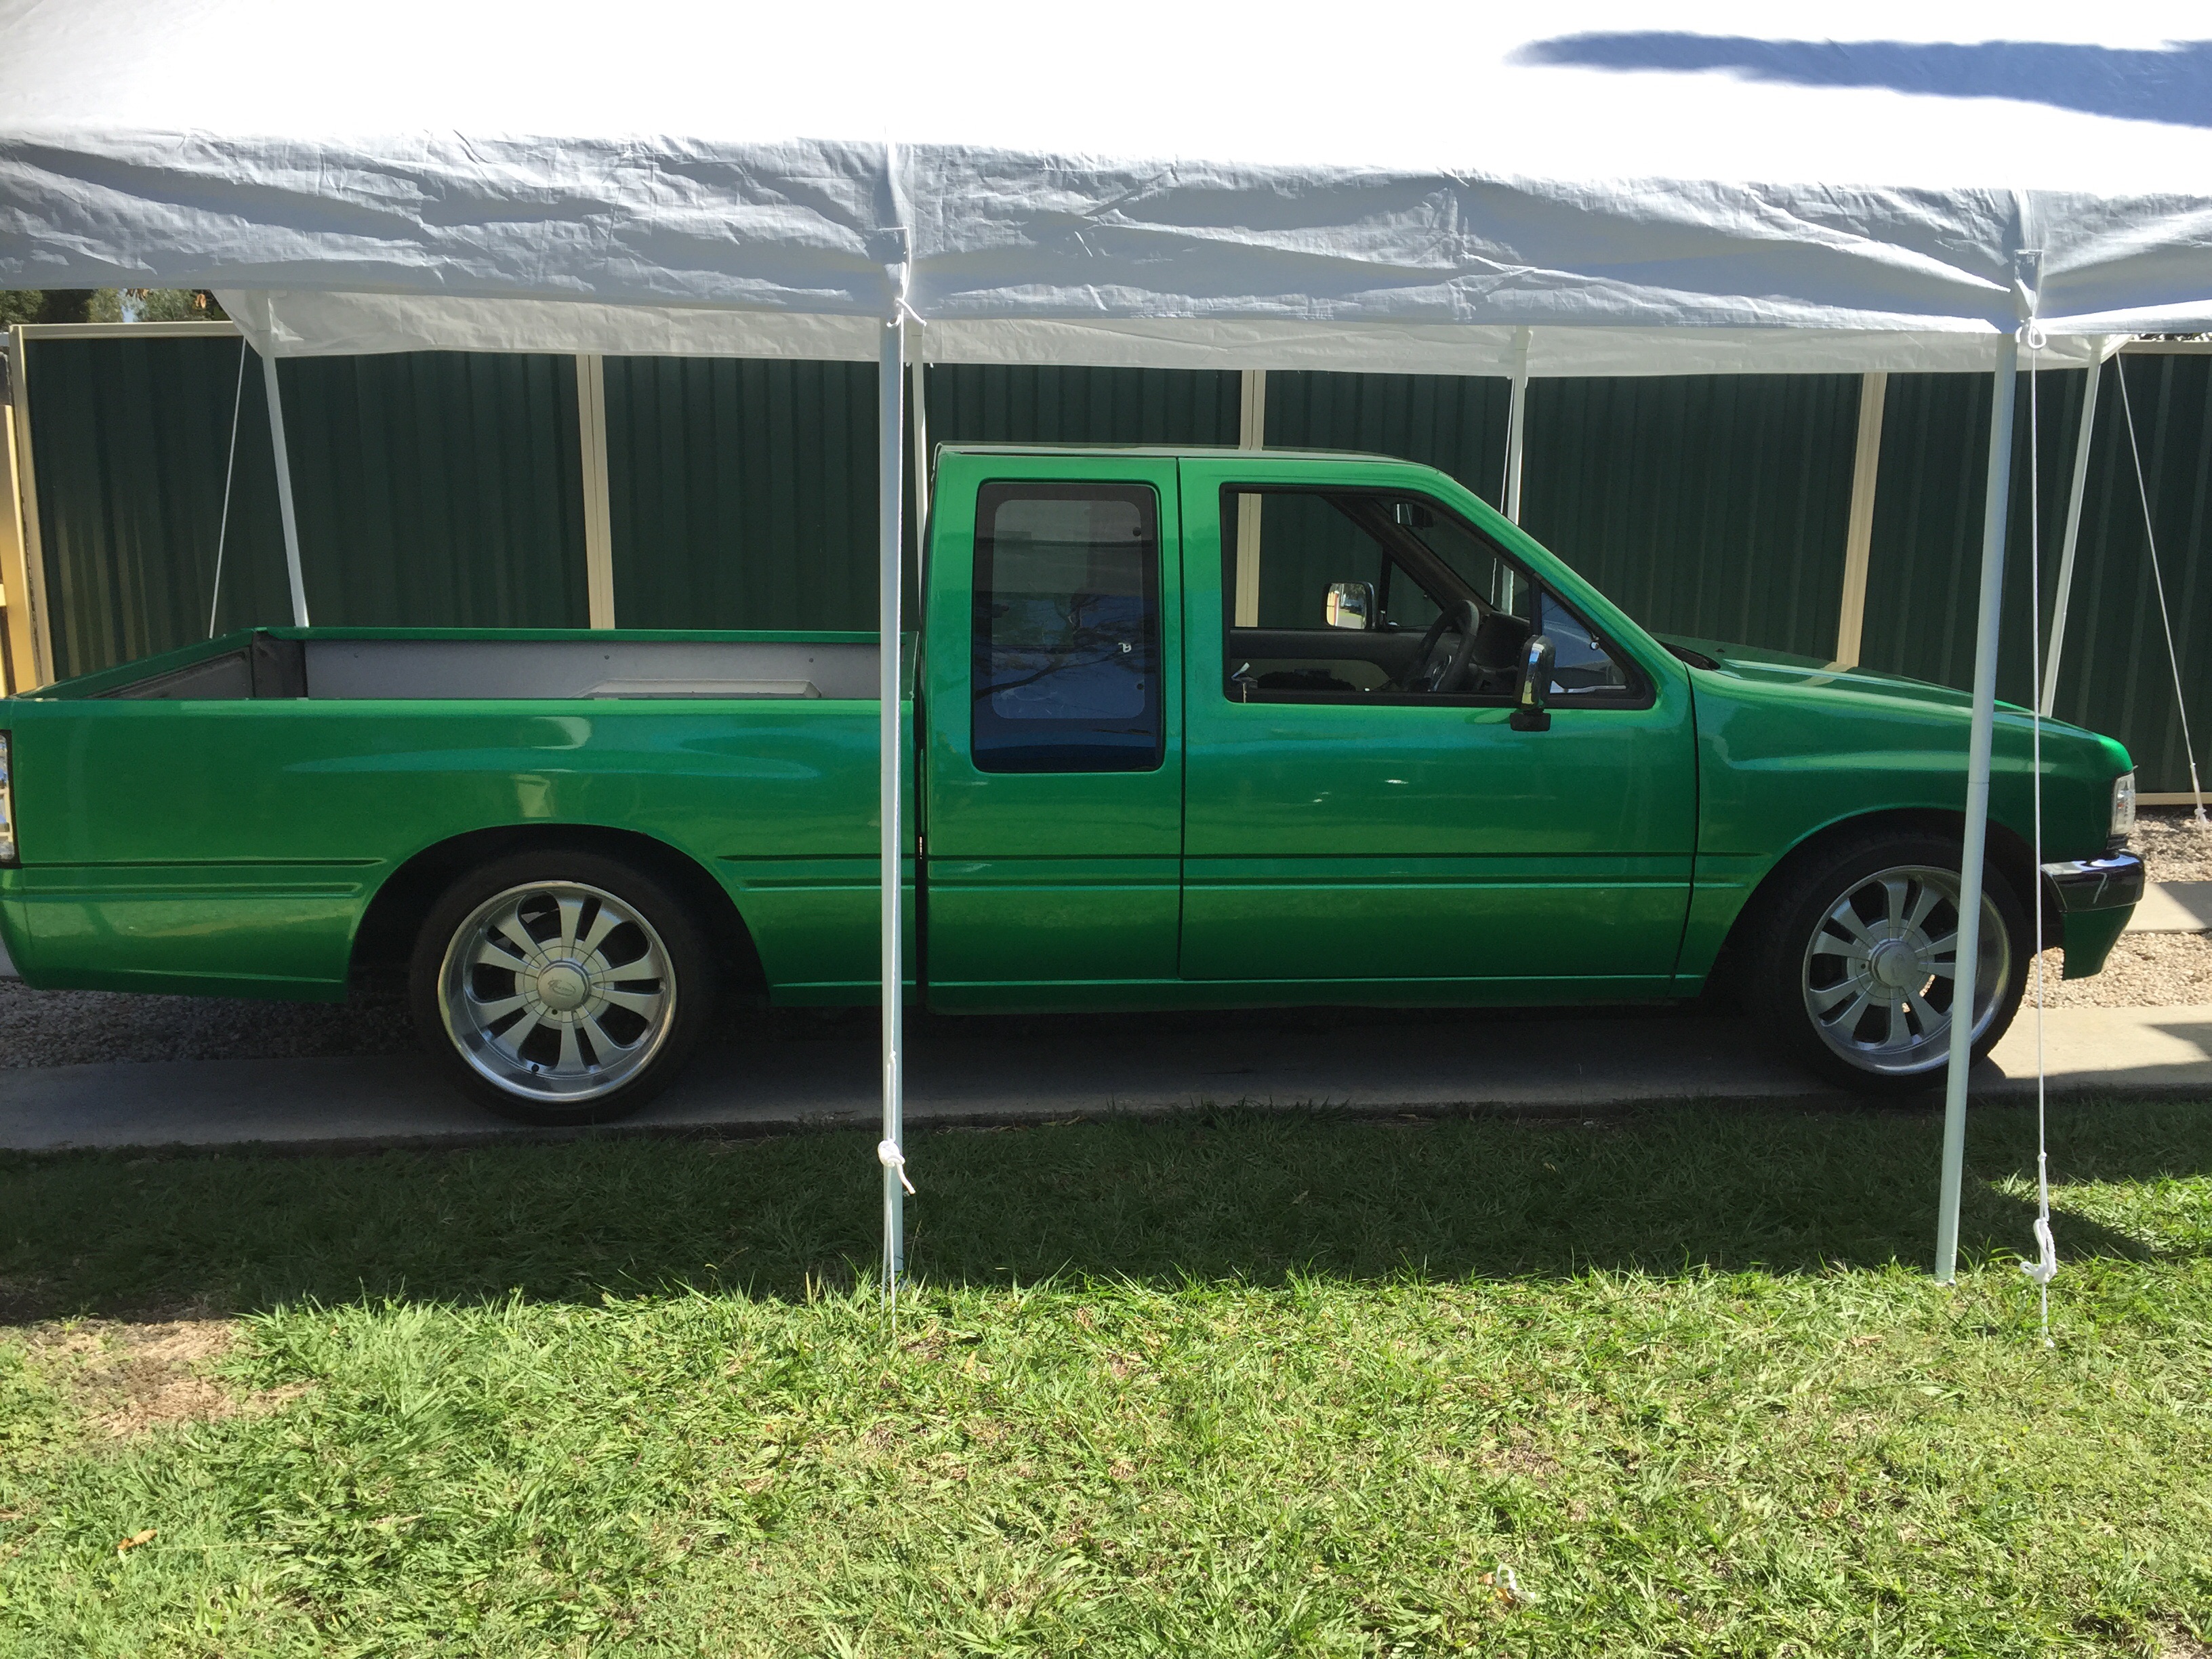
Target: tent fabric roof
{"points": [[1662, 187]]}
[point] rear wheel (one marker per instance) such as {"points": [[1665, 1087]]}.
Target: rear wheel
{"points": [[1855, 968], [561, 988]]}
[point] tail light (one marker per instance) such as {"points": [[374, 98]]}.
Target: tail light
{"points": [[7, 805]]}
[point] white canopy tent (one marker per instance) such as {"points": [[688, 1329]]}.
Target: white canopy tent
{"points": [[1662, 188]]}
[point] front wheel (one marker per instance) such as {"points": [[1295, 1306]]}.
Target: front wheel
{"points": [[1855, 968], [561, 988]]}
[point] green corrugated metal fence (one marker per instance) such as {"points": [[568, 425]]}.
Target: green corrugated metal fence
{"points": [[445, 489], [1454, 422], [433, 488], [1457, 423], [1924, 580], [1708, 505], [1714, 506], [438, 489], [741, 492], [131, 439], [2114, 674], [989, 403]]}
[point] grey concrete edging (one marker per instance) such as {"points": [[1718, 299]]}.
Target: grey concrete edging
{"points": [[1540, 1065], [2174, 907]]}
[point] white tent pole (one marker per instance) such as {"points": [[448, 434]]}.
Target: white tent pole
{"points": [[891, 431], [2049, 697], [284, 494], [229, 473], [1967, 964], [919, 393], [1516, 421]]}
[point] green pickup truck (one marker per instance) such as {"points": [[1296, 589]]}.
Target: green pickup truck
{"points": [[1190, 729]]}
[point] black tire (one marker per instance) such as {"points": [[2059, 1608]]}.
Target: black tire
{"points": [[1890, 1049], [603, 1016]]}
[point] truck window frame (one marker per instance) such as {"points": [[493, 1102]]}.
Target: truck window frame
{"points": [[1400, 547]]}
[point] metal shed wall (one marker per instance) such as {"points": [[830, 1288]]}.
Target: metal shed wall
{"points": [[741, 492], [131, 441], [433, 488], [2114, 674], [1714, 506], [987, 404], [1925, 572], [438, 489], [1708, 505], [1454, 422]]}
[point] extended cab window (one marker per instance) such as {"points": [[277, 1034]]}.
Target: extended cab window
{"points": [[1362, 595], [1065, 673]]}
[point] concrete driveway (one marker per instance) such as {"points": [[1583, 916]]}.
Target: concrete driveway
{"points": [[986, 1071]]}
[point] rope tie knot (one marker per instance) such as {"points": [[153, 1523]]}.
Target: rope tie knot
{"points": [[901, 304], [889, 1155], [2045, 1268]]}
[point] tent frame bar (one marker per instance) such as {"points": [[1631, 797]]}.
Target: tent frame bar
{"points": [[2047, 697], [1967, 963], [892, 438], [292, 571], [1517, 427]]}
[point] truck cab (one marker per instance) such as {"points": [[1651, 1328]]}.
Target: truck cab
{"points": [[1236, 728]]}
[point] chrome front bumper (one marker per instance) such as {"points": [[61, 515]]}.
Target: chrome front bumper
{"points": [[2107, 883]]}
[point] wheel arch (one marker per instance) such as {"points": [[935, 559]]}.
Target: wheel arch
{"points": [[396, 912], [2008, 854]]}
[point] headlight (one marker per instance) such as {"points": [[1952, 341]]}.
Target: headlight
{"points": [[2124, 807], [7, 807]]}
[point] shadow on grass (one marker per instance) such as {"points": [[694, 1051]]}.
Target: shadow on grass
{"points": [[1234, 1194]]}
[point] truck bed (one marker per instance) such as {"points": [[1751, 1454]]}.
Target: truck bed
{"points": [[363, 664], [225, 818]]}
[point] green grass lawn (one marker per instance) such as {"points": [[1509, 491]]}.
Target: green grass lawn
{"points": [[1241, 1383]]}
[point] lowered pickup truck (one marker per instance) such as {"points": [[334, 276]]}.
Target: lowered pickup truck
{"points": [[1190, 729]]}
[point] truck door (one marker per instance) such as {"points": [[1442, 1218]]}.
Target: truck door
{"points": [[1346, 824], [1052, 774]]}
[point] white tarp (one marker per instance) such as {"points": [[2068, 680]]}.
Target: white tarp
{"points": [[1406, 186]]}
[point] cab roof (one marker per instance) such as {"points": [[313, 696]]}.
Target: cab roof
{"points": [[1179, 452]]}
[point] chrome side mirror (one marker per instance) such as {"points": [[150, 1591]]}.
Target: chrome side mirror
{"points": [[1351, 604], [1532, 705]]}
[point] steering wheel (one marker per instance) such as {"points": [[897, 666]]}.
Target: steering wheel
{"points": [[1437, 670]]}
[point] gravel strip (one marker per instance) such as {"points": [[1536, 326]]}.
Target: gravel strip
{"points": [[2145, 970], [79, 1028], [2149, 970], [2171, 845]]}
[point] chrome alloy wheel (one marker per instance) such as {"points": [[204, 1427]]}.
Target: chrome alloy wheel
{"points": [[1881, 970], [556, 991]]}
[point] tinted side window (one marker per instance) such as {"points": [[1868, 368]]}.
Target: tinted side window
{"points": [[1066, 672], [1470, 556], [1581, 665]]}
